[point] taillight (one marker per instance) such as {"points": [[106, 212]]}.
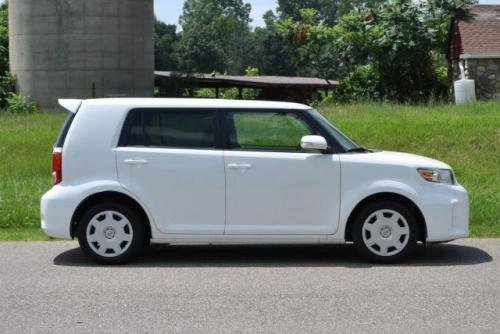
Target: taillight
{"points": [[57, 166]]}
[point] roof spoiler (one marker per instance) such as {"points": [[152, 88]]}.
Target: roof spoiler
{"points": [[71, 105]]}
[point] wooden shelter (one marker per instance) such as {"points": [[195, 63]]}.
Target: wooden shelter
{"points": [[271, 88]]}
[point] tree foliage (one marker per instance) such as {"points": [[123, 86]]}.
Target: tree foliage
{"points": [[4, 38], [166, 42], [215, 36], [274, 53], [7, 84], [328, 11], [378, 49]]}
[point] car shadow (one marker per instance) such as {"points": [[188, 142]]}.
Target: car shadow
{"points": [[281, 256]]}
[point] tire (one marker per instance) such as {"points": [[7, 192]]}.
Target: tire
{"points": [[385, 231], [111, 233]]}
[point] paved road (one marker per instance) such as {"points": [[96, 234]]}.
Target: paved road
{"points": [[52, 288]]}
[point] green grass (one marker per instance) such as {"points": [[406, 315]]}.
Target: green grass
{"points": [[25, 171], [466, 137]]}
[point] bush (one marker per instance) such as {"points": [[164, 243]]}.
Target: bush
{"points": [[7, 86], [361, 84], [20, 104]]}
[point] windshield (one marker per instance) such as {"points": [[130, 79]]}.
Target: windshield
{"points": [[344, 141]]}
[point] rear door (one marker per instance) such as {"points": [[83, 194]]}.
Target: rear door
{"points": [[272, 186], [169, 159]]}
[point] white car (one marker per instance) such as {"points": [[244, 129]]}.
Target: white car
{"points": [[128, 172]]}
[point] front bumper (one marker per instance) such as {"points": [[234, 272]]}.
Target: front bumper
{"points": [[56, 210], [446, 212]]}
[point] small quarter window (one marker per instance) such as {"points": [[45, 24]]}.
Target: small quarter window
{"points": [[64, 130], [173, 128]]}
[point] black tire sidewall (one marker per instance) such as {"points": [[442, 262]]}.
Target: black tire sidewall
{"points": [[138, 238], [365, 212]]}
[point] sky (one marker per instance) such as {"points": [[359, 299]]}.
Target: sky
{"points": [[170, 10]]}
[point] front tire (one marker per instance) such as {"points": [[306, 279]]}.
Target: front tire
{"points": [[385, 231], [111, 233]]}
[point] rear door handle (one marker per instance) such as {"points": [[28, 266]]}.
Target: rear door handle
{"points": [[136, 162], [239, 166]]}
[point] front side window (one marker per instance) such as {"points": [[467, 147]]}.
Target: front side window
{"points": [[268, 130], [172, 128]]}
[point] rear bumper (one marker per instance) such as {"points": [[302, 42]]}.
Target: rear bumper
{"points": [[447, 213], [56, 210]]}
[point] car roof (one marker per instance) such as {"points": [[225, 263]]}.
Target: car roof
{"points": [[131, 103]]}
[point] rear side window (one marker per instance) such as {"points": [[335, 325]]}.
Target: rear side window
{"points": [[64, 131], [171, 128]]}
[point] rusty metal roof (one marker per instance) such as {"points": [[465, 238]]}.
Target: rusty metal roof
{"points": [[257, 81]]}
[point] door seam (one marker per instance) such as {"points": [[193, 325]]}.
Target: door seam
{"points": [[225, 191]]}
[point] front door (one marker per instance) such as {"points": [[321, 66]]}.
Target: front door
{"points": [[272, 186], [167, 158]]}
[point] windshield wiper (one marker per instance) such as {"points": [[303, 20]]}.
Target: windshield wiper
{"points": [[358, 149]]}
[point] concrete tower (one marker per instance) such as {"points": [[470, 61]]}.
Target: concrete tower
{"points": [[81, 48]]}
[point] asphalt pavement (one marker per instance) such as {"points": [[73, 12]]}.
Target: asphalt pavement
{"points": [[51, 287]]}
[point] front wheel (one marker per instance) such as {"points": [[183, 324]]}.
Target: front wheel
{"points": [[385, 231], [111, 233]]}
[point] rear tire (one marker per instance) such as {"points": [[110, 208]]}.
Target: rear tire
{"points": [[385, 231], [111, 233]]}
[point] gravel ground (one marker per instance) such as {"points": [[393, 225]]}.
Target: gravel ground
{"points": [[51, 287]]}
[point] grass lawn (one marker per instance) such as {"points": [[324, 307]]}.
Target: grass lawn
{"points": [[466, 137], [25, 172]]}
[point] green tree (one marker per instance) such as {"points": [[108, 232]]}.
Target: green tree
{"points": [[7, 84], [215, 36], [328, 11], [166, 44], [274, 53], [439, 15], [4, 38]]}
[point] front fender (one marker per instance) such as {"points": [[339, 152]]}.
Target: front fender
{"points": [[355, 195]]}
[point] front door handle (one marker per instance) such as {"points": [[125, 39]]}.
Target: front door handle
{"points": [[136, 162], [239, 166]]}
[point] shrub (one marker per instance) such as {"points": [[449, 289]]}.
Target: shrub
{"points": [[7, 86], [363, 83], [18, 103]]}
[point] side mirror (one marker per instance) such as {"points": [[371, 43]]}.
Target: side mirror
{"points": [[313, 143]]}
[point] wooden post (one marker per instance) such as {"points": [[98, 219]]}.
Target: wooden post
{"points": [[216, 92], [240, 93]]}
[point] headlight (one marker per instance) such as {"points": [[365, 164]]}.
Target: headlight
{"points": [[437, 175]]}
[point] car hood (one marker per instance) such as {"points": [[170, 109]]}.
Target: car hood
{"points": [[395, 159]]}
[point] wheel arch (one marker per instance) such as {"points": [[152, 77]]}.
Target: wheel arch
{"points": [[111, 196], [422, 225]]}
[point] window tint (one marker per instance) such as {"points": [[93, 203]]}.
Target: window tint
{"points": [[266, 130], [64, 130], [176, 128]]}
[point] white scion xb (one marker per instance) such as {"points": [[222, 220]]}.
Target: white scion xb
{"points": [[128, 172]]}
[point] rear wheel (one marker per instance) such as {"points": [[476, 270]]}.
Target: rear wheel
{"points": [[385, 231], [111, 233]]}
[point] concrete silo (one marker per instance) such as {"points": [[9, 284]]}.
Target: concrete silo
{"points": [[81, 48]]}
